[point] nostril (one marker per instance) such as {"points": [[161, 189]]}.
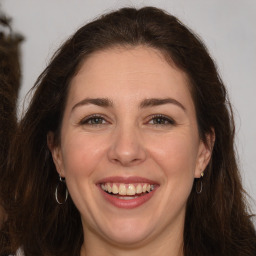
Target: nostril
{"points": [[127, 161], [126, 148]]}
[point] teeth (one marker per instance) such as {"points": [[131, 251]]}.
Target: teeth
{"points": [[130, 190], [127, 197], [109, 188], [114, 189], [127, 189], [139, 189], [122, 190]]}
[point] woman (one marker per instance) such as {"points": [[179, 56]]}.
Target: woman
{"points": [[127, 148]]}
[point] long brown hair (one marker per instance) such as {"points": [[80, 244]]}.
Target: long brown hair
{"points": [[9, 88], [217, 221]]}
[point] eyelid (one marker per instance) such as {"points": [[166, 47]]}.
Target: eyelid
{"points": [[84, 120], [170, 120]]}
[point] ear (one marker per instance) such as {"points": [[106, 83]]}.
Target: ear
{"points": [[56, 154], [204, 153]]}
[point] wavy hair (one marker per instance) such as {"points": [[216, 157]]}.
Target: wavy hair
{"points": [[9, 87], [217, 220]]}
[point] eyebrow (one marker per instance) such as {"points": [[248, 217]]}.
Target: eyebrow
{"points": [[157, 102], [105, 102], [101, 102]]}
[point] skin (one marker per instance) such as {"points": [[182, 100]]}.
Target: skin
{"points": [[126, 139]]}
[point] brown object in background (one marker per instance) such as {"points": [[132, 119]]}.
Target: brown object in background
{"points": [[9, 87]]}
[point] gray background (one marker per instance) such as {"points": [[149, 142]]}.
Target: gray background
{"points": [[228, 28]]}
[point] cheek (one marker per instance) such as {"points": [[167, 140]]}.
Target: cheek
{"points": [[175, 159], [80, 154], [176, 155]]}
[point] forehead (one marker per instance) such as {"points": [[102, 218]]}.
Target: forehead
{"points": [[129, 71]]}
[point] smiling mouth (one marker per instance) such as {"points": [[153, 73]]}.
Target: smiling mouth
{"points": [[127, 191]]}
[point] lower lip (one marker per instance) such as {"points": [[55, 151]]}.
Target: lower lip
{"points": [[127, 204]]}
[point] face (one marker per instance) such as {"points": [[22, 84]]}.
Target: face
{"points": [[130, 148]]}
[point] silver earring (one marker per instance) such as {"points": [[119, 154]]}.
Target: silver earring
{"points": [[199, 184], [61, 183]]}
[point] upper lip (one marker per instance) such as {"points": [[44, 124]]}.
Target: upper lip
{"points": [[126, 180]]}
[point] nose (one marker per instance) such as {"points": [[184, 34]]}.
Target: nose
{"points": [[127, 148]]}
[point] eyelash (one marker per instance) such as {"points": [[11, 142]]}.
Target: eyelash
{"points": [[88, 120], [162, 120]]}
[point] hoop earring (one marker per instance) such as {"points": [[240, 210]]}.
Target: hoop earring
{"points": [[199, 184], [62, 183]]}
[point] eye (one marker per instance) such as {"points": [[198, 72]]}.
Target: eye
{"points": [[93, 120], [161, 120]]}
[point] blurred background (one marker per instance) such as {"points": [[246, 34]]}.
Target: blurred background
{"points": [[226, 26]]}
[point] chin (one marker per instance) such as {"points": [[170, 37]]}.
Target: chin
{"points": [[128, 233]]}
